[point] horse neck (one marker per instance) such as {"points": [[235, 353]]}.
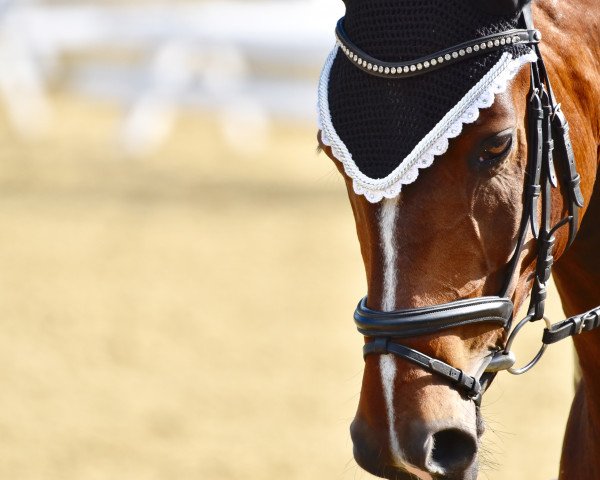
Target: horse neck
{"points": [[571, 48], [577, 276], [573, 42]]}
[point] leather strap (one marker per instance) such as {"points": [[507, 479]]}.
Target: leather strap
{"points": [[572, 326], [536, 150], [434, 61], [548, 155], [429, 320], [553, 124], [469, 385], [571, 177], [563, 146]]}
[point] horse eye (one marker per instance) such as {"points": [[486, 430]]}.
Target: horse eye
{"points": [[493, 150]]}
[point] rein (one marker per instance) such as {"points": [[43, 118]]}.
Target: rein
{"points": [[548, 140]]}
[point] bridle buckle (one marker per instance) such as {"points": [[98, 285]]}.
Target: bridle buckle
{"points": [[579, 324], [501, 360]]}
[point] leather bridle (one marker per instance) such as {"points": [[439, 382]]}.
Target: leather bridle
{"points": [[548, 141]]}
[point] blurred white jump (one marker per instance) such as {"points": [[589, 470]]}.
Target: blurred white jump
{"points": [[249, 62]]}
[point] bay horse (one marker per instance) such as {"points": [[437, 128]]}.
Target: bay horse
{"points": [[452, 236]]}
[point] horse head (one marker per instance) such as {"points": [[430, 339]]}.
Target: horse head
{"points": [[447, 236], [450, 235]]}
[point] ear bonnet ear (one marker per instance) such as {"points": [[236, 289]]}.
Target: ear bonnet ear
{"points": [[501, 7]]}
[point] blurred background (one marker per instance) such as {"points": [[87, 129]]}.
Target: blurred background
{"points": [[166, 223]]}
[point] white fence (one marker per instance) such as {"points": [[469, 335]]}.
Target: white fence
{"points": [[248, 61]]}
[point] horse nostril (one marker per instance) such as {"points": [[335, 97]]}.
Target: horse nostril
{"points": [[453, 450]]}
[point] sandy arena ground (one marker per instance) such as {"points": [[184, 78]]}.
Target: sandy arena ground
{"points": [[154, 324]]}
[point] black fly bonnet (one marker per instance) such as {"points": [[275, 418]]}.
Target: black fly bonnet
{"points": [[404, 78], [405, 120]]}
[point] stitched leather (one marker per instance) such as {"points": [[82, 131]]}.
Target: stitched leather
{"points": [[572, 326], [468, 384], [427, 320], [525, 36]]}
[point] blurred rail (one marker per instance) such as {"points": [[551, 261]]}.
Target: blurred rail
{"points": [[249, 62]]}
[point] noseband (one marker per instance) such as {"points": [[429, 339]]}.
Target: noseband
{"points": [[414, 322], [548, 140]]}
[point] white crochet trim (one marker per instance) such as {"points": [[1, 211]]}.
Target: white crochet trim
{"points": [[434, 144]]}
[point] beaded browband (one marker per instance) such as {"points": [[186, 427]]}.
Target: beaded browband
{"points": [[436, 60]]}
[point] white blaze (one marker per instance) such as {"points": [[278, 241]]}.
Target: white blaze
{"points": [[388, 375], [387, 229]]}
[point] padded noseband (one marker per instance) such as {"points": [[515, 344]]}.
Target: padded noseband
{"points": [[414, 322]]}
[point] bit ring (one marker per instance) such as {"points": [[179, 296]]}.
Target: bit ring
{"points": [[538, 356]]}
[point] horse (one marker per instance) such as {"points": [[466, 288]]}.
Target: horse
{"points": [[449, 237]]}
